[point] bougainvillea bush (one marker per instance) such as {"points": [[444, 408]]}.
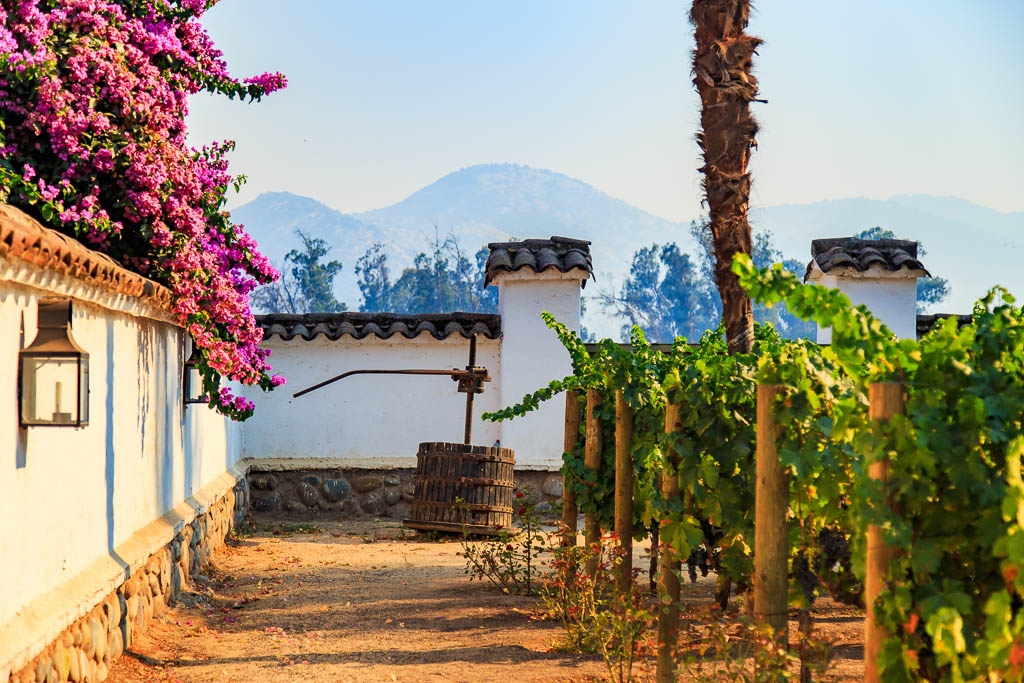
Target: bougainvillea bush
{"points": [[93, 99]]}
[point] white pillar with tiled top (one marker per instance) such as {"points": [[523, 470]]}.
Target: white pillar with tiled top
{"points": [[880, 274], [535, 276]]}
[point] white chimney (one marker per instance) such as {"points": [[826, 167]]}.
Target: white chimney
{"points": [[533, 276], [880, 274]]}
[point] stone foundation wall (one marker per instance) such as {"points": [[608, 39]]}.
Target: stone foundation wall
{"points": [[349, 493], [85, 649]]}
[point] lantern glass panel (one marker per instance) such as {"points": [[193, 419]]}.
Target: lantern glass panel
{"points": [[83, 390], [53, 389], [193, 384]]}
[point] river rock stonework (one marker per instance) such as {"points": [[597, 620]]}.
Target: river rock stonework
{"points": [[339, 493], [85, 650], [349, 493]]}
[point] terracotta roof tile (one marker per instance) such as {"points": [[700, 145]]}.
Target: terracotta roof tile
{"points": [[849, 252], [562, 253], [24, 238], [333, 326], [925, 323]]}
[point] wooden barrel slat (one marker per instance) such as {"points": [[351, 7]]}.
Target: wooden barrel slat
{"points": [[468, 506], [480, 477]]}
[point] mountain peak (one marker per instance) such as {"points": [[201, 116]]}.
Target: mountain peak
{"points": [[285, 200]]}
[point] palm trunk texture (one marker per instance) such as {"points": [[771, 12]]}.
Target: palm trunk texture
{"points": [[722, 72]]}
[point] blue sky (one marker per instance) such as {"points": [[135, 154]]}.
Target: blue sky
{"points": [[866, 98]]}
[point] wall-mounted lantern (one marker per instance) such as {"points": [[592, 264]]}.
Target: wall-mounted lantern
{"points": [[192, 381], [53, 373]]}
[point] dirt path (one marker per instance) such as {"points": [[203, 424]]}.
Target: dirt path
{"points": [[363, 602]]}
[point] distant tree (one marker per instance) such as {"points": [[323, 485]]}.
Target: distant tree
{"points": [[374, 279], [426, 287], [442, 281], [930, 290], [315, 279], [664, 295], [307, 286], [282, 296]]}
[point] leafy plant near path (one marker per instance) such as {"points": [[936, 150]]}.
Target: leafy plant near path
{"points": [[597, 618], [509, 560]]}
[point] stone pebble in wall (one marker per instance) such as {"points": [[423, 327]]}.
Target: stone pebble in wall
{"points": [[263, 501], [263, 482], [552, 486], [392, 494], [308, 495], [335, 490], [375, 503], [367, 483]]}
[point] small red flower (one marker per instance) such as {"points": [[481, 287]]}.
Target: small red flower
{"points": [[1016, 656]]}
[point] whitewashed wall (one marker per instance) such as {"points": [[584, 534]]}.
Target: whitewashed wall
{"points": [[70, 497], [368, 420], [377, 421]]}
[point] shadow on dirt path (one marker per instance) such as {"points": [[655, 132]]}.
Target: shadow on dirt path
{"points": [[348, 601]]}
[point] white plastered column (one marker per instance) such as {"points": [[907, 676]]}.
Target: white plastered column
{"points": [[891, 296], [532, 356]]}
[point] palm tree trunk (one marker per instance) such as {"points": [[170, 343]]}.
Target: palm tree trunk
{"points": [[722, 72]]}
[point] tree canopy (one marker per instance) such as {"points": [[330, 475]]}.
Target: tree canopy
{"points": [[306, 287], [441, 281], [669, 295]]}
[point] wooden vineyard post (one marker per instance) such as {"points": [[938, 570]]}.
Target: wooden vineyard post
{"points": [[592, 462], [885, 399], [624, 492], [570, 513], [668, 577], [771, 541]]}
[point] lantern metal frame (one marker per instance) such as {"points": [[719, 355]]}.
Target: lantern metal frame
{"points": [[192, 381], [53, 341]]}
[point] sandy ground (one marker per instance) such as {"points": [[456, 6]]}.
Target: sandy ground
{"points": [[372, 601]]}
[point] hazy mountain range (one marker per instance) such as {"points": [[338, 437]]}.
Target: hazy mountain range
{"points": [[974, 247]]}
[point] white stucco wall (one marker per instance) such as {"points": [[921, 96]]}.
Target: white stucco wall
{"points": [[368, 420], [532, 356], [892, 298], [71, 496]]}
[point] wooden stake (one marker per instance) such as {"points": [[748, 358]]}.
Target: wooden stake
{"points": [[624, 491], [771, 542], [668, 578], [592, 462], [570, 513], [885, 399]]}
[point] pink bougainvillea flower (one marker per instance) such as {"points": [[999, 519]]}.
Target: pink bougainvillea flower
{"points": [[93, 96]]}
